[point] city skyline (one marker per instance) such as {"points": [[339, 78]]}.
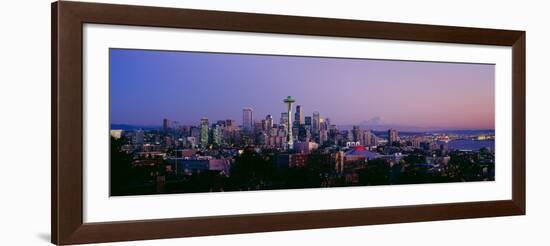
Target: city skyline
{"points": [[237, 122], [218, 94]]}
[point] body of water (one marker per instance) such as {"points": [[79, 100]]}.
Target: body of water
{"points": [[468, 144]]}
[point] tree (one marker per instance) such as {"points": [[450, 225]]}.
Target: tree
{"points": [[251, 171], [465, 166], [414, 159], [121, 167], [376, 172]]}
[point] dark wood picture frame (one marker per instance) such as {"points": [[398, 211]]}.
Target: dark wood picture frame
{"points": [[67, 123]]}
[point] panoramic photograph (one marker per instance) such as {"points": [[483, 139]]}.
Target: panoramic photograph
{"points": [[197, 122]]}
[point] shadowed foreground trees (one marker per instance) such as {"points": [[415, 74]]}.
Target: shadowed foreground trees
{"points": [[121, 167], [252, 170], [257, 171], [313, 174], [376, 172]]}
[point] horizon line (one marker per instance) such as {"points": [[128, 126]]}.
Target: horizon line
{"points": [[427, 129]]}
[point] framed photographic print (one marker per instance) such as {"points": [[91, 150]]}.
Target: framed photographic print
{"points": [[174, 122]]}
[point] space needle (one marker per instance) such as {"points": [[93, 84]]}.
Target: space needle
{"points": [[289, 100]]}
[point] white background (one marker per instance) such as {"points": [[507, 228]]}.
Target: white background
{"points": [[25, 124], [99, 207]]}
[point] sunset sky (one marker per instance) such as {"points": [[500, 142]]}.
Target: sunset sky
{"points": [[147, 86]]}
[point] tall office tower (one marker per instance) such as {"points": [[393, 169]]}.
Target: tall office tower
{"points": [[316, 124], [392, 136], [204, 121], [139, 137], [298, 116], [221, 123], [349, 136], [323, 136], [165, 124], [303, 134], [322, 124], [230, 124], [269, 121], [308, 121], [195, 132], [258, 126], [290, 141], [367, 138], [204, 132], [356, 134], [284, 119], [264, 125], [247, 119], [216, 134]]}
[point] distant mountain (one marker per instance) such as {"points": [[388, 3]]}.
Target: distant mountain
{"points": [[375, 121], [404, 128], [377, 124]]}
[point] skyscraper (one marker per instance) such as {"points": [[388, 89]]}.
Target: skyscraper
{"points": [[247, 119], [392, 136], [230, 124], [323, 124], [269, 121], [327, 123], [308, 121], [356, 134], [284, 119], [216, 134], [298, 116], [367, 138], [264, 125], [290, 141], [204, 132], [316, 124], [221, 123], [323, 136], [139, 137], [165, 124]]}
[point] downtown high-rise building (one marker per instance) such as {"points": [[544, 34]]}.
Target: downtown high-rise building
{"points": [[307, 121], [248, 123], [230, 124], [323, 136], [356, 134], [298, 116], [203, 139], [327, 123], [139, 137], [283, 121], [316, 122], [366, 139], [165, 124], [221, 123], [392, 136], [269, 122], [216, 134]]}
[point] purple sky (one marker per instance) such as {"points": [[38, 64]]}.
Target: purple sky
{"points": [[147, 86]]}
